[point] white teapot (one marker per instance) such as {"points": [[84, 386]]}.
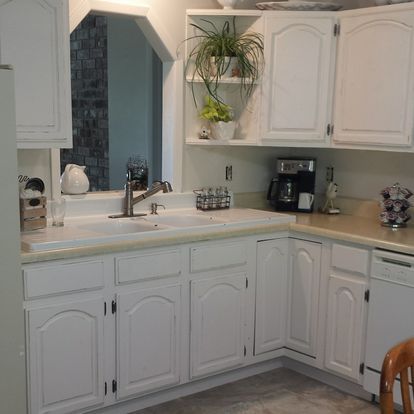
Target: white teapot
{"points": [[74, 180]]}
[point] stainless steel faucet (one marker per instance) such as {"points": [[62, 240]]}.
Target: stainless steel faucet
{"points": [[130, 200]]}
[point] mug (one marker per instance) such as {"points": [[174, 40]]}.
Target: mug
{"points": [[305, 201]]}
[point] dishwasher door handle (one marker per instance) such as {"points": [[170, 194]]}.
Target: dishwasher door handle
{"points": [[396, 262]]}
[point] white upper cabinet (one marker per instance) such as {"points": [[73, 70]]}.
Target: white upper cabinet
{"points": [[374, 82], [297, 90], [34, 38]]}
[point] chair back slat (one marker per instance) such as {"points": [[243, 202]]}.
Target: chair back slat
{"points": [[398, 361], [405, 391]]}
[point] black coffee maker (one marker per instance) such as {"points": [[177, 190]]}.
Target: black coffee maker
{"points": [[293, 188]]}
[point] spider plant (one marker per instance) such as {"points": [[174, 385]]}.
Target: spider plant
{"points": [[208, 59]]}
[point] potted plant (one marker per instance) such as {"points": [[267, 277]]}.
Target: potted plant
{"points": [[221, 53], [220, 116]]}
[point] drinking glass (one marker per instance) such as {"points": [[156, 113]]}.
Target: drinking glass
{"points": [[58, 209]]}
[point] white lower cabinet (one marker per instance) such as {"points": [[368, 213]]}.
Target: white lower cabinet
{"points": [[118, 327], [66, 356], [271, 288], [344, 325], [346, 310], [303, 296], [217, 323], [148, 339]]}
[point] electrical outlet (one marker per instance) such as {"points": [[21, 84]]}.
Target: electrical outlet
{"points": [[329, 174], [229, 172]]}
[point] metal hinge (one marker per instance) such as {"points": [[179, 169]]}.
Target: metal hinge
{"points": [[247, 283], [106, 388], [114, 386], [366, 295], [245, 351], [113, 306], [361, 368], [328, 130], [104, 308], [337, 29]]}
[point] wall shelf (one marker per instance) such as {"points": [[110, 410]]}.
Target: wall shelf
{"points": [[224, 12], [233, 80], [216, 142]]}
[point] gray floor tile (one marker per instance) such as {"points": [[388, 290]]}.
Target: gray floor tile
{"points": [[280, 391]]}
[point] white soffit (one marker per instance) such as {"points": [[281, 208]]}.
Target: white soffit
{"points": [[147, 20]]}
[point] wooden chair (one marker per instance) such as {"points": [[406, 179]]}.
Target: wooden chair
{"points": [[399, 360]]}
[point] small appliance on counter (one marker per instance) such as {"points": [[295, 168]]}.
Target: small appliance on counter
{"points": [[293, 188]]}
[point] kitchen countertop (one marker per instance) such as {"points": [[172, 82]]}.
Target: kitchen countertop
{"points": [[356, 229], [341, 227]]}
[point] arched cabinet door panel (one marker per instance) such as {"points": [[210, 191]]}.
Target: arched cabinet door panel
{"points": [[345, 319], [271, 293], [148, 339], [374, 88], [217, 323], [297, 83], [66, 356], [303, 296], [34, 38]]}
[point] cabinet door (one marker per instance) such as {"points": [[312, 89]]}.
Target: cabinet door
{"points": [[271, 290], [34, 38], [148, 338], [217, 323], [374, 85], [66, 357], [297, 90], [344, 325], [303, 296]]}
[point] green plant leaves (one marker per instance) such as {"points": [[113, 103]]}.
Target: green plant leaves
{"points": [[215, 111], [207, 59]]}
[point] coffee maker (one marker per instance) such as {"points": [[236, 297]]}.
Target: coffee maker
{"points": [[293, 188]]}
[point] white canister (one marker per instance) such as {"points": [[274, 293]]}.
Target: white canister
{"points": [[227, 4], [74, 180]]}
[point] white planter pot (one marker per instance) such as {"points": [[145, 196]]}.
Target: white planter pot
{"points": [[227, 4], [228, 64], [223, 131]]}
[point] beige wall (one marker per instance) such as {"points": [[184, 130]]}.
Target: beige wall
{"points": [[363, 174]]}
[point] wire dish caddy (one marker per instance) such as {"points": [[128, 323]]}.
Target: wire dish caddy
{"points": [[209, 199]]}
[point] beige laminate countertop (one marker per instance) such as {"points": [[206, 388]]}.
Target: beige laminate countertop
{"points": [[356, 229], [342, 227]]}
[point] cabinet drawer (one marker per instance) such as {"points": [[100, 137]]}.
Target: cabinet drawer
{"points": [[351, 259], [63, 278], [147, 266], [218, 256]]}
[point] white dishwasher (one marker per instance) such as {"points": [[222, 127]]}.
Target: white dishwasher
{"points": [[390, 312]]}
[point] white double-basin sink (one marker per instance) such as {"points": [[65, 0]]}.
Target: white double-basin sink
{"points": [[91, 230]]}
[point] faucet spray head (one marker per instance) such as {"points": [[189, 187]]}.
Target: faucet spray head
{"points": [[166, 187]]}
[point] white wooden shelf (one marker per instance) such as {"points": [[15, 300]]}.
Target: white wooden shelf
{"points": [[216, 142], [224, 12], [233, 80]]}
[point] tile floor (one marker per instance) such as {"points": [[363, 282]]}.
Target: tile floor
{"points": [[280, 391]]}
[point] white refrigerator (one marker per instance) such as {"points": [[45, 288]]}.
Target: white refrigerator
{"points": [[12, 358]]}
